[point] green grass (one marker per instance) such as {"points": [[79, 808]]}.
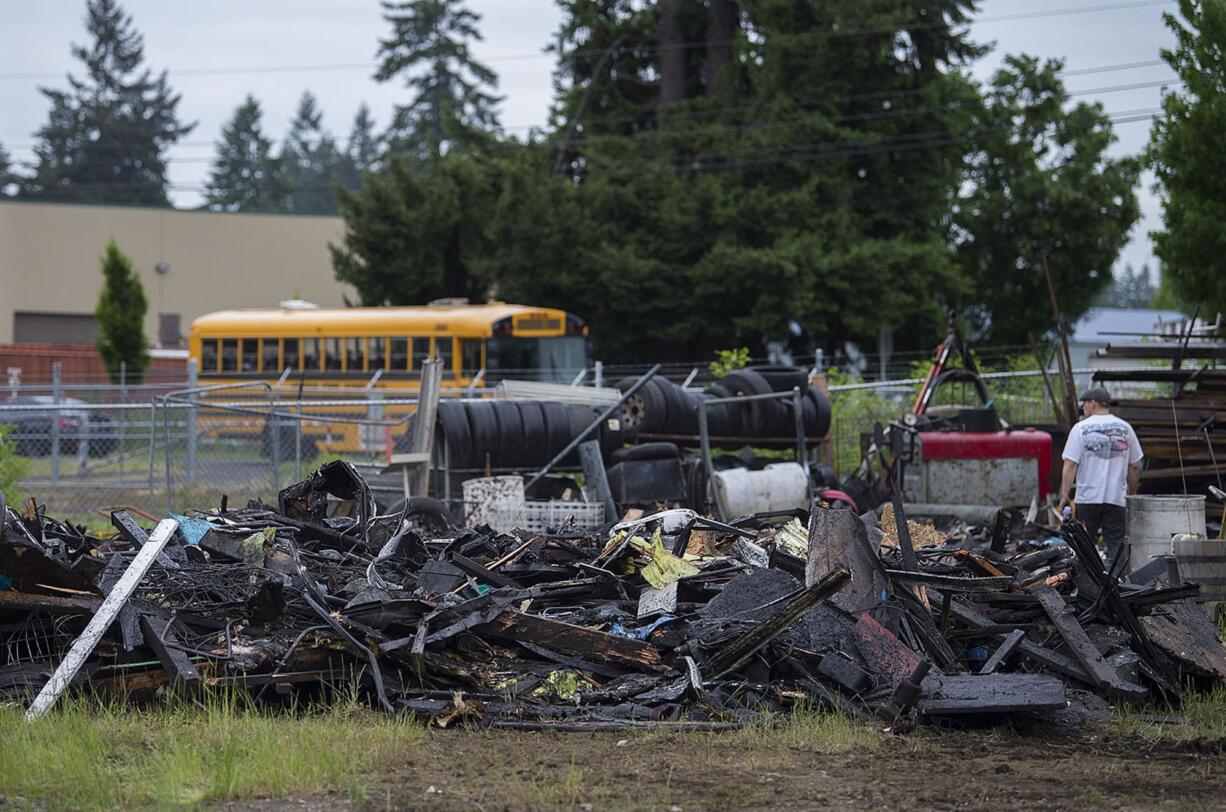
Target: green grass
{"points": [[89, 756], [1202, 717]]}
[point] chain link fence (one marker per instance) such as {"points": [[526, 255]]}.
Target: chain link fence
{"points": [[86, 449]]}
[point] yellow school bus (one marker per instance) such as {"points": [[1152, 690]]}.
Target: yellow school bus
{"points": [[347, 347]]}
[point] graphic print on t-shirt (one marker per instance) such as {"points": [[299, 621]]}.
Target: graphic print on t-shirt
{"points": [[1105, 441]]}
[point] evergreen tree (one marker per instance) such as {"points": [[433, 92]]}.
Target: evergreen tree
{"points": [[121, 316], [430, 48], [245, 176], [413, 236], [105, 137], [362, 149], [8, 179], [1039, 183], [1185, 155], [310, 161], [770, 186], [1130, 288]]}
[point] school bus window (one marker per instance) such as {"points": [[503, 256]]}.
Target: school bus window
{"points": [[268, 351], [376, 353], [470, 356], [310, 354], [399, 360], [332, 353], [353, 354], [289, 354], [421, 351], [251, 355], [444, 349], [229, 355], [208, 355]]}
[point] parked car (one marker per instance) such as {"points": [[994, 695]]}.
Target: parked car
{"points": [[30, 430]]}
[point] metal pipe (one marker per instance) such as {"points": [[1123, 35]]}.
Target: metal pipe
{"points": [[573, 444]]}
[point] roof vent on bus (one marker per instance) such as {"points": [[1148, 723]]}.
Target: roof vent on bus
{"points": [[298, 304], [457, 301]]}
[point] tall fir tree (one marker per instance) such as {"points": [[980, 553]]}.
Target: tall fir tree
{"points": [[8, 179], [121, 317], [1185, 155], [245, 176], [1040, 182], [430, 50], [310, 160], [774, 161], [362, 149], [106, 136]]}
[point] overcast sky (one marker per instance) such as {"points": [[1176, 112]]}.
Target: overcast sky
{"points": [[219, 50]]}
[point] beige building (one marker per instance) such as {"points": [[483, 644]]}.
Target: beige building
{"points": [[190, 263]]}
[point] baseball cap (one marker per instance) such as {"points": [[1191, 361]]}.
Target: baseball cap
{"points": [[1096, 393]]}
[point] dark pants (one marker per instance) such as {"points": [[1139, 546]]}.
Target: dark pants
{"points": [[1107, 518]]}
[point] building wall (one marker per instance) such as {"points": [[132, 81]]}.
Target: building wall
{"points": [[49, 259]]}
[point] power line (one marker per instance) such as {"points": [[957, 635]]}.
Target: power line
{"points": [[794, 152], [798, 103], [841, 33], [874, 144]]}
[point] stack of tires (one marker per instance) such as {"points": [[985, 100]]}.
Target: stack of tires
{"points": [[519, 435], [662, 407]]}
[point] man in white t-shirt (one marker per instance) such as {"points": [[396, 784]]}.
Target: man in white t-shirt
{"points": [[1103, 457]]}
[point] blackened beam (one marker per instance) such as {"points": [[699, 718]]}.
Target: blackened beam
{"points": [[1043, 656], [1003, 651], [160, 637], [55, 604], [601, 647], [127, 527], [1061, 616], [953, 583], [743, 647]]}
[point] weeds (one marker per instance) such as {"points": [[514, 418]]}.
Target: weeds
{"points": [[89, 755]]}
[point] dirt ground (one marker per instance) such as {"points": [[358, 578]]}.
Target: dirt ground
{"points": [[927, 769]]}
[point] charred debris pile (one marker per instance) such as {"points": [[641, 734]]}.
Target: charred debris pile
{"points": [[667, 619]]}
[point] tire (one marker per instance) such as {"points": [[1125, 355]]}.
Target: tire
{"points": [[824, 411], [426, 513], [646, 411], [719, 418], [646, 451], [765, 416], [510, 434], [536, 439], [783, 378], [557, 427], [457, 434], [484, 427], [612, 437], [675, 406], [579, 417]]}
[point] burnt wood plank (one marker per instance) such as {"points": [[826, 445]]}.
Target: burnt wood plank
{"points": [[56, 604], [1003, 651], [994, 693], [1043, 656], [1083, 649], [161, 638], [580, 641]]}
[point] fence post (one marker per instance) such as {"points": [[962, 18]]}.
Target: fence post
{"points": [[191, 422], [57, 395], [598, 374], [275, 434]]}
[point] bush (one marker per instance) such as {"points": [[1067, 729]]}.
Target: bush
{"points": [[12, 467]]}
